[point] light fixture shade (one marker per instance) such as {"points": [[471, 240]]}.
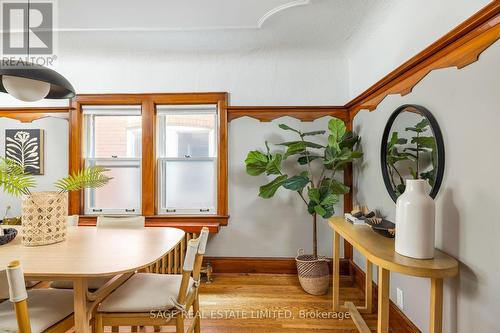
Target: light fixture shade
{"points": [[26, 90], [60, 88]]}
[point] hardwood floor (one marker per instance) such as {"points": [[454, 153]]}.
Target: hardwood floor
{"points": [[253, 303], [265, 303]]}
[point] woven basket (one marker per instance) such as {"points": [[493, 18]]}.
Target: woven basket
{"points": [[314, 274], [44, 218]]}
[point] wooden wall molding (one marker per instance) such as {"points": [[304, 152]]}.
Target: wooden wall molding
{"points": [[261, 265], [193, 224], [398, 322], [302, 113], [459, 48], [27, 115]]}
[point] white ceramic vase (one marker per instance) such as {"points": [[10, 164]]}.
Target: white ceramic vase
{"points": [[415, 221]]}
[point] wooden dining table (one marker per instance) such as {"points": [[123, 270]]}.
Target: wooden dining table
{"points": [[89, 253]]}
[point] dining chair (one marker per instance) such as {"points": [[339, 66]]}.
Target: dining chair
{"points": [[148, 299], [121, 222], [49, 310], [118, 222]]}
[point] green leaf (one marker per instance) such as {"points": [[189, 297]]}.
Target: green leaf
{"points": [[274, 165], [13, 178], [288, 128], [337, 129], [330, 199], [425, 142], [303, 160], [335, 186], [91, 177], [267, 191], [306, 143], [256, 156], [295, 148], [348, 140], [256, 163], [296, 183], [422, 124], [313, 133], [319, 210], [314, 195]]}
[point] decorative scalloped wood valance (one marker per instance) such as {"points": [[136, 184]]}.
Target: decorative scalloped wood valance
{"points": [[27, 115], [303, 113], [459, 48]]}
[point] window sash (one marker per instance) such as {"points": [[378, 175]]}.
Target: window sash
{"points": [[163, 111], [162, 192], [89, 199]]}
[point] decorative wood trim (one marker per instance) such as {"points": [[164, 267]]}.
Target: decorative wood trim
{"points": [[460, 47], [27, 115], [148, 195], [398, 322], [348, 197], [185, 222], [303, 113], [261, 265], [148, 162]]}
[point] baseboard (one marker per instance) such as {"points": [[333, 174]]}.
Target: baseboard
{"points": [[398, 321], [261, 265]]}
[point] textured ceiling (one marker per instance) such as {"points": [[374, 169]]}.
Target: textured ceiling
{"points": [[202, 25]]}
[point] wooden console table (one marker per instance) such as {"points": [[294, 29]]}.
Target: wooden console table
{"points": [[379, 250]]}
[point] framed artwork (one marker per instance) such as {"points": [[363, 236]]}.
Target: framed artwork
{"points": [[25, 146]]}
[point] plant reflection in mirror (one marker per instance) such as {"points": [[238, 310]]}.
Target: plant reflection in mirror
{"points": [[419, 147]]}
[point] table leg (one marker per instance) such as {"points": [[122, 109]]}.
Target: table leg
{"points": [[368, 287], [383, 300], [436, 315], [80, 306], [336, 270]]}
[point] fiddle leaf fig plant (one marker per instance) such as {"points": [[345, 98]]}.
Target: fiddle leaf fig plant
{"points": [[315, 182]]}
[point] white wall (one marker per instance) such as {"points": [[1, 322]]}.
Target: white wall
{"points": [[56, 156], [257, 227], [266, 227], [397, 30], [466, 105]]}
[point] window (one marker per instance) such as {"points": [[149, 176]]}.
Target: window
{"points": [[187, 159], [113, 140]]}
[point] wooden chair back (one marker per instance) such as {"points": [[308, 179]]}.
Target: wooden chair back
{"points": [[187, 269], [121, 222], [18, 295], [203, 238]]}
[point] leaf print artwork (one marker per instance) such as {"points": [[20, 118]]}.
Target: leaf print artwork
{"points": [[25, 146]]}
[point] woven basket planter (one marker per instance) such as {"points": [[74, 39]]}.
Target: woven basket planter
{"points": [[44, 218], [314, 274]]}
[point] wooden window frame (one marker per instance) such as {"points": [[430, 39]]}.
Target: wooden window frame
{"points": [[148, 104]]}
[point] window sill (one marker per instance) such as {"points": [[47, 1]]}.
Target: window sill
{"points": [[188, 223]]}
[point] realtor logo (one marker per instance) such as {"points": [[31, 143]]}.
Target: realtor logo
{"points": [[27, 29]]}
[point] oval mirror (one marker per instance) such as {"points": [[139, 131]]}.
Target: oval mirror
{"points": [[412, 148]]}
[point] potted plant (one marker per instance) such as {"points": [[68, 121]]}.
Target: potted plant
{"points": [[44, 213], [316, 185]]}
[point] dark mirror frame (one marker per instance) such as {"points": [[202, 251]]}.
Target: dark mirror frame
{"points": [[439, 142]]}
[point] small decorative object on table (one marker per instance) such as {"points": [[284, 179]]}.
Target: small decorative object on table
{"points": [[415, 221], [382, 226], [44, 214], [362, 215], [7, 235]]}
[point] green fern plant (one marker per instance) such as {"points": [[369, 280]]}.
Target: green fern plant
{"points": [[91, 177], [13, 179]]}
